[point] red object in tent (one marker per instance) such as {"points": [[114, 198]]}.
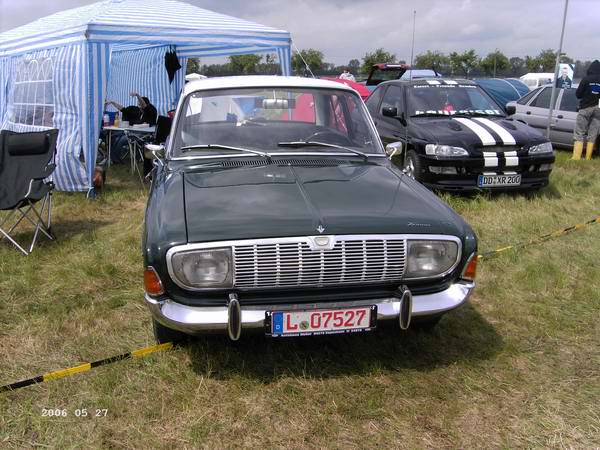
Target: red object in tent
{"points": [[360, 88]]}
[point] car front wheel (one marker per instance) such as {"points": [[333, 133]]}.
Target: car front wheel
{"points": [[412, 165], [163, 334]]}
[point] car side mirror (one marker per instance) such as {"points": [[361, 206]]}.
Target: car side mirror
{"points": [[158, 151], [511, 109], [394, 148], [389, 111]]}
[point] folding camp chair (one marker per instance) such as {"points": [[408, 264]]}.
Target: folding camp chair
{"points": [[26, 162]]}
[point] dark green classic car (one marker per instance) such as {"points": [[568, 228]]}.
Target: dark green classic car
{"points": [[275, 208]]}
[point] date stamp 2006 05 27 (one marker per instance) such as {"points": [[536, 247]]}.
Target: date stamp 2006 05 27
{"points": [[79, 412]]}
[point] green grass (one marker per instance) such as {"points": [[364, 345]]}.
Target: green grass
{"points": [[517, 367]]}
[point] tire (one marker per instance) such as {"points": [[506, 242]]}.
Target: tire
{"points": [[163, 334], [412, 165], [425, 323]]}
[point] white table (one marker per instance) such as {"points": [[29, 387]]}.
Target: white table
{"points": [[128, 129]]}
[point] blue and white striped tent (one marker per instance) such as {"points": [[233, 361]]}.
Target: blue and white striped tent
{"points": [[58, 71]]}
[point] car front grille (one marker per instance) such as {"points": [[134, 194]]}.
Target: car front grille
{"points": [[293, 264]]}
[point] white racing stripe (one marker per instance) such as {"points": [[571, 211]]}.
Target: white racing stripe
{"points": [[511, 158], [433, 82], [507, 138], [490, 159], [482, 133]]}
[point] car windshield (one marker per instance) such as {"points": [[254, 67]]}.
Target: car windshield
{"points": [[449, 99], [274, 120]]}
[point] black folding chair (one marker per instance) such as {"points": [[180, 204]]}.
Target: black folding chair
{"points": [[26, 161]]}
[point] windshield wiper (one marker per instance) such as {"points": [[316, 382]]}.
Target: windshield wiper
{"points": [[298, 144], [188, 148]]}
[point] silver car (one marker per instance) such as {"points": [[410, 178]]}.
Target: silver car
{"points": [[533, 109]]}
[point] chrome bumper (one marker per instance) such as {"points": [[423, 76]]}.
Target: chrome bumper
{"points": [[197, 319]]}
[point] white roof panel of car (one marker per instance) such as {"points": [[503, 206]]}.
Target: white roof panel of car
{"points": [[261, 81]]}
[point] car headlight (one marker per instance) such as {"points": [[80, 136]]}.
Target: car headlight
{"points": [[211, 268], [546, 147], [445, 150], [430, 258]]}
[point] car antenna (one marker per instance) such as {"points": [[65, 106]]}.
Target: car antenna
{"points": [[303, 60], [412, 54]]}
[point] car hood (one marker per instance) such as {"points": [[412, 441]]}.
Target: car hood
{"points": [[283, 200], [466, 132]]}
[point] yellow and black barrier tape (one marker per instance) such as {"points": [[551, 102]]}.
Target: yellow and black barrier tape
{"points": [[85, 367], [540, 239]]}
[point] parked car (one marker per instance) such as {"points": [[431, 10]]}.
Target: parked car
{"points": [[533, 109], [386, 72], [457, 138], [292, 224], [503, 90], [360, 88]]}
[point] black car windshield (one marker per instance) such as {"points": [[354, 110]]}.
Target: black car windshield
{"points": [[263, 118], [442, 98]]}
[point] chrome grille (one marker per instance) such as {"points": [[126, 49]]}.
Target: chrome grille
{"points": [[259, 265]]}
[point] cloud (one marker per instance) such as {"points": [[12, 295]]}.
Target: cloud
{"points": [[348, 29]]}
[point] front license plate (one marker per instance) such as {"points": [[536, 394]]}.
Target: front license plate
{"points": [[498, 180], [321, 321]]}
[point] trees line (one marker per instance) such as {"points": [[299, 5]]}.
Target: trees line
{"points": [[466, 64]]}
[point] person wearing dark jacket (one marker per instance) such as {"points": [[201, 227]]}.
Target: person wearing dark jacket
{"points": [[587, 125], [144, 112]]}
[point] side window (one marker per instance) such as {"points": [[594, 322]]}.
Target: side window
{"points": [[569, 101], [32, 99], [523, 100], [393, 98], [543, 100], [373, 101]]}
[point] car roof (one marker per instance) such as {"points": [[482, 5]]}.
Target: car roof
{"points": [[261, 81]]}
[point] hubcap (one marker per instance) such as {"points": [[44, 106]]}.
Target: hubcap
{"points": [[409, 169]]}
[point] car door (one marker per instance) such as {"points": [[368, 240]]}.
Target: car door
{"points": [[564, 124], [521, 105], [536, 112], [390, 128]]}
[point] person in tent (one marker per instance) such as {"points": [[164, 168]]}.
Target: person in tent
{"points": [[587, 124], [144, 112]]}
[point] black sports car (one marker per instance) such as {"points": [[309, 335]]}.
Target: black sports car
{"points": [[455, 137]]}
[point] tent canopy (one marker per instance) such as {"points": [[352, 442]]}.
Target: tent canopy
{"points": [[58, 71]]}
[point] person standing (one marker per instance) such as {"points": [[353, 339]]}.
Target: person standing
{"points": [[587, 125]]}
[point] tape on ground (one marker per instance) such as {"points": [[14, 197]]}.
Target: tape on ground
{"points": [[85, 367], [540, 239]]}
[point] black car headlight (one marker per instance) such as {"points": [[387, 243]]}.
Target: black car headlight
{"points": [[545, 147], [445, 150], [210, 268], [430, 258]]}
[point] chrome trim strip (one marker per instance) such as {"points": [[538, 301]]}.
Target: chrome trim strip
{"points": [[274, 155], [309, 240]]}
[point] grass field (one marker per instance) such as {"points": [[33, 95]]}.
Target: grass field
{"points": [[517, 367]]}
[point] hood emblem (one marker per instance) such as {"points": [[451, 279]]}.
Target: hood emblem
{"points": [[320, 229]]}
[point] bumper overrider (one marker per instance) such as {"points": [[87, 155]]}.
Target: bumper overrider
{"points": [[198, 319]]}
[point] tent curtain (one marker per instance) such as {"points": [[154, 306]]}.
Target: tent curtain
{"points": [[143, 71]]}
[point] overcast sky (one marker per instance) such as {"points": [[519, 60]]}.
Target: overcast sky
{"points": [[346, 29]]}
